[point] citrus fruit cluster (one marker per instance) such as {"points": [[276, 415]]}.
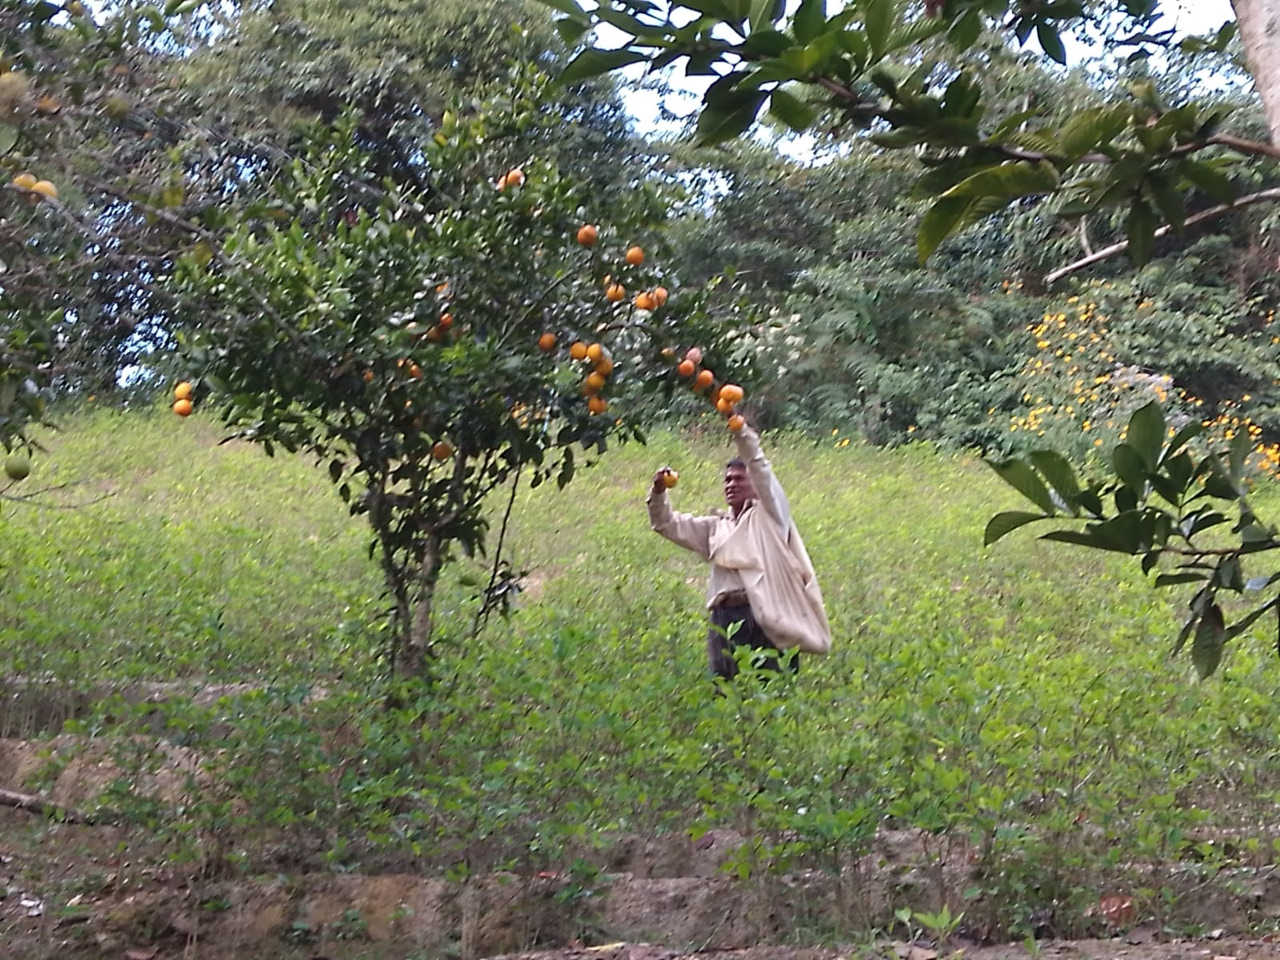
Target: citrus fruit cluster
{"points": [[182, 404], [42, 188]]}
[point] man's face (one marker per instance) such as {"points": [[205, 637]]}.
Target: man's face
{"points": [[737, 488]]}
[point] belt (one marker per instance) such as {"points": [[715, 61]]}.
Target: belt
{"points": [[734, 598]]}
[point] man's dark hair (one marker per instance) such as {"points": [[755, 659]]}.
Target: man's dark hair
{"points": [[735, 462]]}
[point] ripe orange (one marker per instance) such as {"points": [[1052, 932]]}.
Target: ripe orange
{"points": [[686, 368], [694, 355], [25, 181], [183, 408], [724, 405], [45, 189], [660, 295], [615, 292], [587, 235], [515, 177], [604, 366], [594, 382], [597, 404], [736, 422], [635, 256], [704, 380], [732, 392], [182, 391], [415, 371], [547, 342], [670, 478], [442, 450], [578, 351], [368, 376], [645, 301], [595, 352], [446, 321]]}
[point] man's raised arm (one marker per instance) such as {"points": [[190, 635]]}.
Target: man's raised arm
{"points": [[692, 533], [769, 491]]}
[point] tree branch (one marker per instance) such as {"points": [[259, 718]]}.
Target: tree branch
{"points": [[1107, 252], [45, 808]]}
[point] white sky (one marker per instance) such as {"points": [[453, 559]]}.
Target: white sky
{"points": [[1194, 17]]}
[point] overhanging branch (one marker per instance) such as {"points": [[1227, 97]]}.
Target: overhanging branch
{"points": [[1107, 252]]}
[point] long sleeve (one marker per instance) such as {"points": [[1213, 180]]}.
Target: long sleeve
{"points": [[692, 533], [768, 490]]}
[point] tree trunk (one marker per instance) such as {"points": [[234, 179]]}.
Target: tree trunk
{"points": [[416, 655], [1259, 22]]}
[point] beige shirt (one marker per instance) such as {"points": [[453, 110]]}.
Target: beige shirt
{"points": [[704, 535], [759, 551]]}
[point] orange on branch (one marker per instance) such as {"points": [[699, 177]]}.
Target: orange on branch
{"points": [[547, 342], [705, 379], [415, 371], [515, 177], [588, 234], [694, 355], [660, 295], [594, 383], [578, 351], [645, 301], [615, 292], [442, 450], [604, 366], [724, 405], [25, 181], [635, 256], [182, 391], [686, 368], [446, 321], [670, 478], [736, 422], [368, 376], [183, 408], [732, 392], [595, 352], [597, 404], [45, 189]]}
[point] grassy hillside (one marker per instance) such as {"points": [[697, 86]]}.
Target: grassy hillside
{"points": [[1016, 703]]}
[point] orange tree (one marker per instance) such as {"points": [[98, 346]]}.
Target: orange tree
{"points": [[432, 346]]}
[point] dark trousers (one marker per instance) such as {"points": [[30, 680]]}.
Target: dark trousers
{"points": [[721, 646]]}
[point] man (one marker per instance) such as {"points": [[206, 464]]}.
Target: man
{"points": [[761, 577]]}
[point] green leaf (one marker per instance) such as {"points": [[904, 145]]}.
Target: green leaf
{"points": [[1088, 129], [1181, 438], [571, 30], [1140, 226], [564, 6], [1005, 523], [1128, 465], [1146, 433], [765, 13], [718, 125], [878, 18], [1174, 579], [1056, 469], [792, 111], [1026, 481], [1013, 179], [939, 221], [8, 137], [1210, 637], [592, 63], [965, 30], [809, 21], [1208, 180], [1050, 42]]}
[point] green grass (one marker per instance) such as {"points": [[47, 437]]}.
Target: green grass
{"points": [[1016, 705]]}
